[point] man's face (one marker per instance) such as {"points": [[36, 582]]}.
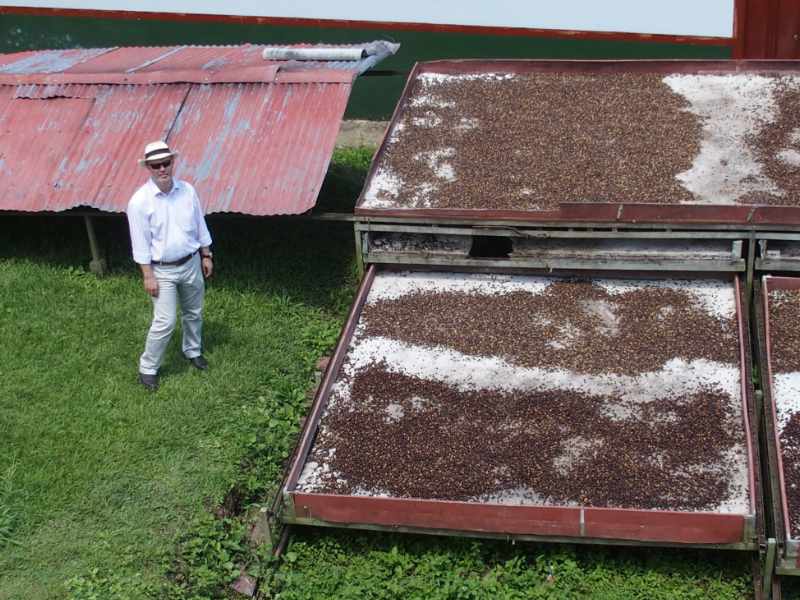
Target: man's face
{"points": [[161, 171]]}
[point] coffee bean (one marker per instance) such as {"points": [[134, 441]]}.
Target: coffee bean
{"points": [[539, 139], [406, 436], [784, 316]]}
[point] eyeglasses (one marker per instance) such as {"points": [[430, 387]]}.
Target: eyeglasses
{"points": [[158, 166]]}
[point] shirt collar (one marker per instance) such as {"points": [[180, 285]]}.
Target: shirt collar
{"points": [[154, 188]]}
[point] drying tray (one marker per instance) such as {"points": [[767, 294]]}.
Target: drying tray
{"points": [[309, 503]]}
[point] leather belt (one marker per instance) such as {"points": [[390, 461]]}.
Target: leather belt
{"points": [[173, 263]]}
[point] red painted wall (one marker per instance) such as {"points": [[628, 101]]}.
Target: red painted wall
{"points": [[768, 29]]}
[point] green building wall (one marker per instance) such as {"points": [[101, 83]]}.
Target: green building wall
{"points": [[374, 95]]}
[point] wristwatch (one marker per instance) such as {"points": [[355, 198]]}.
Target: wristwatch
{"points": [[207, 255]]}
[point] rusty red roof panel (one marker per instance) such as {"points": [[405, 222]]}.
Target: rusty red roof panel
{"points": [[207, 58], [120, 60], [264, 149], [260, 146], [35, 135], [48, 61], [8, 59], [43, 92], [6, 96], [100, 168]]}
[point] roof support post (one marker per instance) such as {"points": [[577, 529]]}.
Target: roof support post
{"points": [[359, 250], [751, 261], [98, 264], [769, 568]]}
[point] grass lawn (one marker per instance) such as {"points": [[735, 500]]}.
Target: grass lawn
{"points": [[109, 492], [98, 472], [353, 566]]}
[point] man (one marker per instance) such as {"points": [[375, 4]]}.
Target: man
{"points": [[170, 243]]}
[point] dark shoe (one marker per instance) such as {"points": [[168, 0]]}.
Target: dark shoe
{"points": [[198, 362], [149, 381]]}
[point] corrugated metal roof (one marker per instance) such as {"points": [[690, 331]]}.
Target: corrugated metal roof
{"points": [[47, 61], [100, 167], [254, 136]]}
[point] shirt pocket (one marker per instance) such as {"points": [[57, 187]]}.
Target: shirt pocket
{"points": [[184, 218]]}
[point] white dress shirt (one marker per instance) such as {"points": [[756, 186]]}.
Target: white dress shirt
{"points": [[166, 226]]}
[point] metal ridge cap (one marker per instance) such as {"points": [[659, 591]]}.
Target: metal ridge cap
{"points": [[204, 46]]}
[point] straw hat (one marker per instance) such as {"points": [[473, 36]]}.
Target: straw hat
{"points": [[156, 151]]}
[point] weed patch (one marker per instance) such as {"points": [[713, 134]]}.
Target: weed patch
{"points": [[354, 565], [96, 585], [210, 556]]}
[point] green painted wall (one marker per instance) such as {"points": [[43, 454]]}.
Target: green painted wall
{"points": [[373, 97]]}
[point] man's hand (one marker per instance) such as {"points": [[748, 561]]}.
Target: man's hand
{"points": [[150, 281], [151, 285], [208, 266]]}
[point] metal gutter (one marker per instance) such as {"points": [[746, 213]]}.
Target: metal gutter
{"points": [[785, 565], [745, 388], [531, 221], [549, 264]]}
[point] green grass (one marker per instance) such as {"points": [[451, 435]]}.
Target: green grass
{"points": [[99, 478], [374, 566], [108, 492], [99, 471]]}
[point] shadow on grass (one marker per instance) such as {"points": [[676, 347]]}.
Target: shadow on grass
{"points": [[301, 260], [216, 336], [345, 178], [327, 562], [306, 261]]}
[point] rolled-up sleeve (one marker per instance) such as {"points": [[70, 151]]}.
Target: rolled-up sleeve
{"points": [[140, 232], [203, 235]]}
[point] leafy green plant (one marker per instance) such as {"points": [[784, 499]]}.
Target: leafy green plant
{"points": [[319, 337], [357, 159], [210, 556], [351, 565], [97, 585]]}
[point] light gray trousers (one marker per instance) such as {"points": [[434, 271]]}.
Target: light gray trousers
{"points": [[183, 284]]}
